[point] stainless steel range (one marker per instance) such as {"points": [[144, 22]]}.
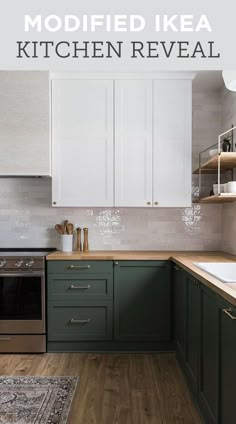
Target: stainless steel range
{"points": [[22, 300]]}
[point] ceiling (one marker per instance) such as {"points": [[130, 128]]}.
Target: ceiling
{"points": [[208, 81]]}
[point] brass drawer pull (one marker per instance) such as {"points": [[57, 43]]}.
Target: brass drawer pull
{"points": [[80, 287], [229, 313], [79, 321], [5, 339], [79, 266]]}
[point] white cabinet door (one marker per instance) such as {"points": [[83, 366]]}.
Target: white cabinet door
{"points": [[133, 143], [24, 123], [82, 142], [172, 143]]}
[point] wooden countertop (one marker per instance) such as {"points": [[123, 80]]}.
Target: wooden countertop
{"points": [[183, 259], [111, 255], [135, 255]]}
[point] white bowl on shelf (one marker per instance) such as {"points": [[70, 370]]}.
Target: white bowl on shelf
{"points": [[231, 187], [215, 188]]}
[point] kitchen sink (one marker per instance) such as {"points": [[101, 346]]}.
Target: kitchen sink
{"points": [[224, 271]]}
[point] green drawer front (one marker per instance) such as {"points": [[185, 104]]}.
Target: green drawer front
{"points": [[80, 267], [78, 321], [74, 287]]}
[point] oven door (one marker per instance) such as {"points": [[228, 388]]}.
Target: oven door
{"points": [[22, 303]]}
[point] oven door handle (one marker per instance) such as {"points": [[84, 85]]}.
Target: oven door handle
{"points": [[22, 274]]}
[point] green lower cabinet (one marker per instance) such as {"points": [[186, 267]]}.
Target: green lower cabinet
{"points": [[205, 335], [227, 364], [180, 311], [209, 373], [79, 321], [193, 338], [142, 301], [102, 305]]}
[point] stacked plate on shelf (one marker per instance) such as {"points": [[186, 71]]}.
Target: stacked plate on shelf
{"points": [[229, 187]]}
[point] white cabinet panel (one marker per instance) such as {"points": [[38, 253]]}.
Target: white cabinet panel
{"points": [[82, 142], [24, 123], [133, 142], [172, 143]]}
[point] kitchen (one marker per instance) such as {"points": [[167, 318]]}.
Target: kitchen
{"points": [[119, 154]]}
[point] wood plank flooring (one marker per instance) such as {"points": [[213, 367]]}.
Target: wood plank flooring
{"points": [[115, 388]]}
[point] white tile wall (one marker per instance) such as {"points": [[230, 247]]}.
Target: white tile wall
{"points": [[207, 121], [27, 219]]}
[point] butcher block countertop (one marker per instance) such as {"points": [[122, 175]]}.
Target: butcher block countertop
{"points": [[183, 259]]}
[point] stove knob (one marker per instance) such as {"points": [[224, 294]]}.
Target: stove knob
{"points": [[19, 263], [2, 263], [29, 264]]}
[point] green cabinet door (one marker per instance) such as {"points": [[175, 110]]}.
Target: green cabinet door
{"points": [[209, 378], [193, 331], [180, 311], [142, 300], [227, 363]]}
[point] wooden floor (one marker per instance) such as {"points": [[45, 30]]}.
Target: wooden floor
{"points": [[115, 388]]}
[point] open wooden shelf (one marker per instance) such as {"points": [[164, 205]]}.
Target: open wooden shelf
{"points": [[227, 162], [219, 198]]}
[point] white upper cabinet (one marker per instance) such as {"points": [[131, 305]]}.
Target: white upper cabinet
{"points": [[122, 140], [133, 142], [82, 142], [24, 123], [172, 137]]}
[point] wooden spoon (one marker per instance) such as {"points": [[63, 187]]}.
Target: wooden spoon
{"points": [[59, 229], [70, 228], [64, 225]]}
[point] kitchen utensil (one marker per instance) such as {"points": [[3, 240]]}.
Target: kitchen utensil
{"points": [[59, 229], [66, 242], [70, 228], [85, 243], [226, 145], [79, 245], [64, 225]]}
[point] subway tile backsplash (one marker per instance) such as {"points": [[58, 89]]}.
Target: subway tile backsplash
{"points": [[27, 220]]}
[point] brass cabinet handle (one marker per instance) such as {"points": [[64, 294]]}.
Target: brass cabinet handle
{"points": [[155, 203], [79, 266], [148, 203], [116, 263], [80, 287], [5, 339], [79, 321], [229, 313]]}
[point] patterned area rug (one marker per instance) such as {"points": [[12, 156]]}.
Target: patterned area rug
{"points": [[36, 400]]}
